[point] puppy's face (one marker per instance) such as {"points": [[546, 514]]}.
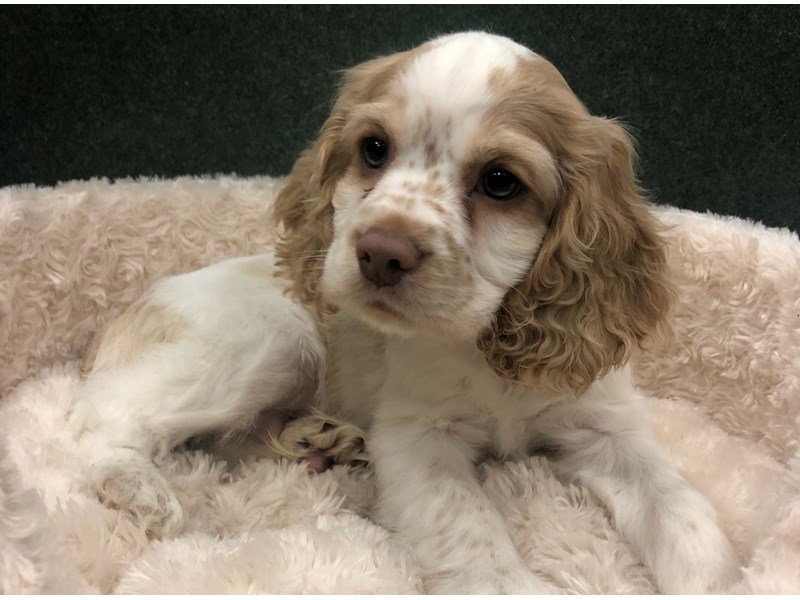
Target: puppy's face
{"points": [[447, 191], [462, 190]]}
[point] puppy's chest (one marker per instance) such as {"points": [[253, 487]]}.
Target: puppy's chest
{"points": [[452, 388]]}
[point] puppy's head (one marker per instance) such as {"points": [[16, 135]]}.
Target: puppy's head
{"points": [[461, 189]]}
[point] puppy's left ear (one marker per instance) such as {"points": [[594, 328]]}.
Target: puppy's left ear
{"points": [[598, 286]]}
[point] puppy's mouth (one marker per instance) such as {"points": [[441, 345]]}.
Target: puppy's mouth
{"points": [[382, 306]]}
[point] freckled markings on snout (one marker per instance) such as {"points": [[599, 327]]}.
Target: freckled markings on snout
{"points": [[433, 155], [403, 201], [434, 189], [448, 128], [458, 257], [411, 186], [430, 140]]}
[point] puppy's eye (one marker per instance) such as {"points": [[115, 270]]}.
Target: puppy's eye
{"points": [[375, 152], [498, 184]]}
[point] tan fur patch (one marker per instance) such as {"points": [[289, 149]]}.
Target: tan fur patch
{"points": [[127, 337], [257, 269], [598, 286]]}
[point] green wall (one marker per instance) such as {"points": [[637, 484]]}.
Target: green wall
{"points": [[711, 92]]}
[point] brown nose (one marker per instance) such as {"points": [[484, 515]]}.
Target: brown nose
{"points": [[385, 257]]}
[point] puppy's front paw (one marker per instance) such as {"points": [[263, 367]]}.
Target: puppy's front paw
{"points": [[322, 440]]}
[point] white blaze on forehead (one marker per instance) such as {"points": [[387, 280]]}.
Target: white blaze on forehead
{"points": [[481, 39], [450, 81], [464, 58], [455, 72]]}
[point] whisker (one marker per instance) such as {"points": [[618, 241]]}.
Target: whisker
{"points": [[309, 269], [310, 254]]}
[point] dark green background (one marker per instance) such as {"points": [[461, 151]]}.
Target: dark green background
{"points": [[711, 92]]}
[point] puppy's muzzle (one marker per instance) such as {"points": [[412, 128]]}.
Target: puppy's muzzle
{"points": [[384, 258]]}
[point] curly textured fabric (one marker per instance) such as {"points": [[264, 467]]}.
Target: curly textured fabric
{"points": [[725, 395], [76, 255]]}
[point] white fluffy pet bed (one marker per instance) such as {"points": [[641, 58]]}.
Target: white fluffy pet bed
{"points": [[725, 401]]}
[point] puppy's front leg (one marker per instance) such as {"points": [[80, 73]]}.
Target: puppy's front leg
{"points": [[604, 446], [429, 494]]}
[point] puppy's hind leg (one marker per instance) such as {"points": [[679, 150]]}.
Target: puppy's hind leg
{"points": [[108, 417], [118, 451], [205, 352], [124, 478]]}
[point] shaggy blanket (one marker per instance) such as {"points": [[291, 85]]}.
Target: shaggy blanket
{"points": [[725, 399]]}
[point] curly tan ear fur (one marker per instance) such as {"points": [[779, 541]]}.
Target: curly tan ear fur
{"points": [[598, 286], [304, 213], [304, 207]]}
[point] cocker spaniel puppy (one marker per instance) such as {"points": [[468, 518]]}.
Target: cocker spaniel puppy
{"points": [[479, 262], [478, 248]]}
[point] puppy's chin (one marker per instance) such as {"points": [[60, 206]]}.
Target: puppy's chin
{"points": [[382, 317], [369, 308], [390, 322], [406, 321]]}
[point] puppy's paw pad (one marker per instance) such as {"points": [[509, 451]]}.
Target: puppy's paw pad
{"points": [[341, 442]]}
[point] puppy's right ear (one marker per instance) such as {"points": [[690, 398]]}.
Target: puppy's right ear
{"points": [[304, 210], [304, 207]]}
